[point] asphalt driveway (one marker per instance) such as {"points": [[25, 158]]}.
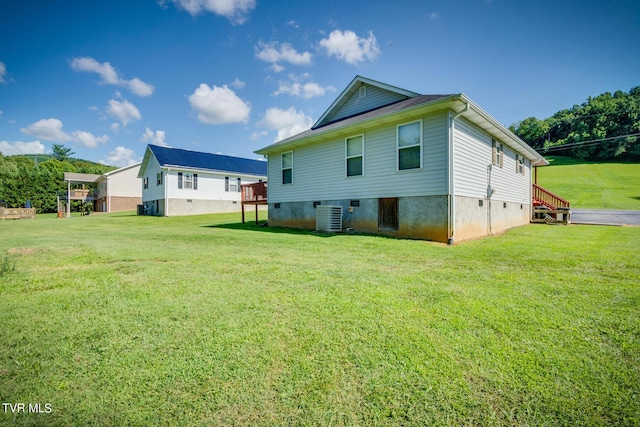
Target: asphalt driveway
{"points": [[604, 217]]}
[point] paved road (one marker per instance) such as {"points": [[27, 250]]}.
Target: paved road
{"points": [[606, 217]]}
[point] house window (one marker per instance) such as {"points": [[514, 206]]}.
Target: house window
{"points": [[362, 92], [188, 180], [287, 167], [519, 164], [410, 146], [159, 178], [146, 182], [355, 155], [231, 185], [497, 153]]}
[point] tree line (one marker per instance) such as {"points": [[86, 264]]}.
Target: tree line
{"points": [[603, 128], [40, 178]]}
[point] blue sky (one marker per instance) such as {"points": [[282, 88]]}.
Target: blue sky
{"points": [[105, 78]]}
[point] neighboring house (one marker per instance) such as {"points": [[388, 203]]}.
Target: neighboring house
{"points": [[119, 190], [433, 167], [183, 182]]}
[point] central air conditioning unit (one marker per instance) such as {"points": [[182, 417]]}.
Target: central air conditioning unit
{"points": [[328, 218]]}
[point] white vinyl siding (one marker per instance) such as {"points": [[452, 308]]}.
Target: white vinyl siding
{"points": [[375, 97], [152, 192], [211, 186], [473, 157], [320, 168]]}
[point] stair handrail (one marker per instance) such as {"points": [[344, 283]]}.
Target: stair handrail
{"points": [[548, 198]]}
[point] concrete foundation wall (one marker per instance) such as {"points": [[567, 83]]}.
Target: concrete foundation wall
{"points": [[418, 217], [493, 216], [178, 207]]}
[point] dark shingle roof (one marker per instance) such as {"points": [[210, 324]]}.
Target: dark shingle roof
{"points": [[177, 157]]}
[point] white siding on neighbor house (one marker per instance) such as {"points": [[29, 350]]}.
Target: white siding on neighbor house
{"points": [[473, 155], [375, 97], [154, 192], [211, 186], [125, 183], [319, 170]]}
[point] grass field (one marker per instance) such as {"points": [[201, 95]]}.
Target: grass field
{"points": [[140, 321], [593, 185]]}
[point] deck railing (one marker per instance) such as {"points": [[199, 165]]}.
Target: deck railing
{"points": [[254, 193], [17, 213], [548, 199]]}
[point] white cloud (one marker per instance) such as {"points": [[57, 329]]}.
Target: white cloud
{"points": [[277, 68], [139, 87], [124, 111], [258, 135], [299, 89], [47, 129], [218, 105], [115, 127], [275, 53], [347, 46], [88, 139], [3, 72], [235, 11], [18, 147], [238, 84], [110, 75], [155, 138], [286, 122], [434, 16], [51, 130], [121, 156]]}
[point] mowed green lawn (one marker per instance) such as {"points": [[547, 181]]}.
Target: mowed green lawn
{"points": [[593, 185], [200, 321]]}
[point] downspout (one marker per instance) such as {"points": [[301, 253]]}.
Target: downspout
{"points": [[166, 200], [452, 201]]}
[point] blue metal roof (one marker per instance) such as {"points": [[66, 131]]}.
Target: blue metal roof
{"points": [[176, 157]]}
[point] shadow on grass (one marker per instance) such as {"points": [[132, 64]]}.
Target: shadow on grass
{"points": [[262, 227]]}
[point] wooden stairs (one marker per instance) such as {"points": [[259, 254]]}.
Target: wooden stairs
{"points": [[549, 208]]}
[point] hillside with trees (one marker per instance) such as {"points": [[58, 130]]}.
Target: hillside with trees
{"points": [[38, 178], [604, 128]]}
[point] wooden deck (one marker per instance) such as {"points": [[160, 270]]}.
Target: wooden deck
{"points": [[254, 194], [17, 213]]}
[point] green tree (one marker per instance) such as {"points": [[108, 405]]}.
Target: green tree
{"points": [[60, 152], [532, 130]]}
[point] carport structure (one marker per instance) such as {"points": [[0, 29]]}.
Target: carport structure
{"points": [[84, 194]]}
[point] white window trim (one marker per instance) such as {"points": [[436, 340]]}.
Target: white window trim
{"points": [[362, 92], [282, 168], [346, 156], [184, 181], [408, 146]]}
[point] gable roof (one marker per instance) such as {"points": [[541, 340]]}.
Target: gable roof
{"points": [[363, 119], [179, 158], [394, 94], [407, 109]]}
